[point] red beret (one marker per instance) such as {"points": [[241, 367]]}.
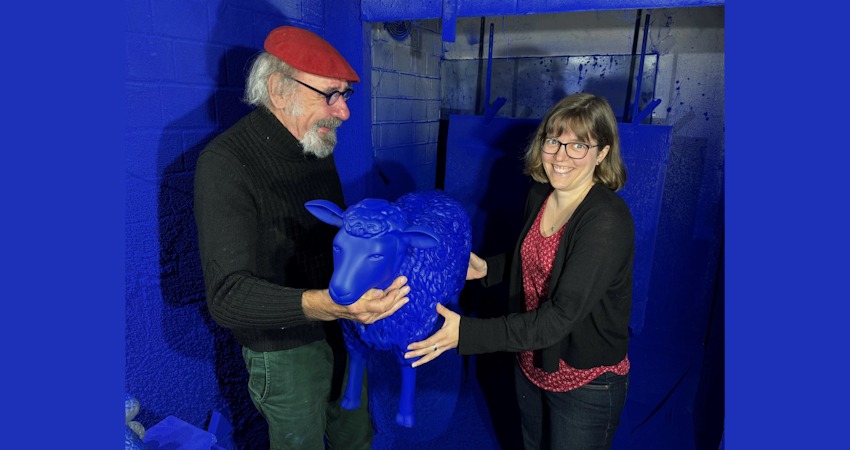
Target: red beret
{"points": [[307, 52]]}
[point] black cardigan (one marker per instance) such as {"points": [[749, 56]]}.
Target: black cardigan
{"points": [[585, 318]]}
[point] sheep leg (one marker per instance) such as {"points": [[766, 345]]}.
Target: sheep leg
{"points": [[356, 367], [405, 403]]}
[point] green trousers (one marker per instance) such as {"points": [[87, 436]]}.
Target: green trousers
{"points": [[291, 389]]}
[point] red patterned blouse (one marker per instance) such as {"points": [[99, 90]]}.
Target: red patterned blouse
{"points": [[538, 254]]}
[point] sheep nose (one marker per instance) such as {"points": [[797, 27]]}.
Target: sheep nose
{"points": [[341, 298]]}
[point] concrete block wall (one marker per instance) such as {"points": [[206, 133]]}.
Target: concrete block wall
{"points": [[406, 106]]}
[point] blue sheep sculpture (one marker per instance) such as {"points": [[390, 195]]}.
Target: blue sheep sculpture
{"points": [[425, 236]]}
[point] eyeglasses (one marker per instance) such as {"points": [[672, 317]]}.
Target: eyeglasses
{"points": [[332, 97], [575, 150]]}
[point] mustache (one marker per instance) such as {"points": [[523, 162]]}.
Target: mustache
{"points": [[332, 123]]}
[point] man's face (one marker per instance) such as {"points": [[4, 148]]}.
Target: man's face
{"points": [[307, 115]]}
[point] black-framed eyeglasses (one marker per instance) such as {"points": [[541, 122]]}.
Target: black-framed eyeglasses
{"points": [[575, 150], [330, 97]]}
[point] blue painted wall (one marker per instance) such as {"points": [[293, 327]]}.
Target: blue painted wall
{"points": [[185, 72]]}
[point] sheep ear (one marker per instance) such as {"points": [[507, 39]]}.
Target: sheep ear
{"points": [[420, 237], [325, 211]]}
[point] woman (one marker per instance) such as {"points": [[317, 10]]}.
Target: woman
{"points": [[570, 294]]}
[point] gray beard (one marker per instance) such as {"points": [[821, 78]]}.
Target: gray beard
{"points": [[321, 147]]}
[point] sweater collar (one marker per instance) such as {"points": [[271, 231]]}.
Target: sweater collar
{"points": [[278, 138]]}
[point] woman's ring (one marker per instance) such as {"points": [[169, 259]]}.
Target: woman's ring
{"points": [[435, 347]]}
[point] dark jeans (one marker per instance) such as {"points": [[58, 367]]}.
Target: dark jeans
{"points": [[291, 390], [584, 418]]}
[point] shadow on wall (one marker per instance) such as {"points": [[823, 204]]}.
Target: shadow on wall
{"points": [[186, 319], [484, 173], [185, 316], [500, 208], [393, 180]]}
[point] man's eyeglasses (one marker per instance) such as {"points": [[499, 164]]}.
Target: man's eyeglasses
{"points": [[332, 97], [575, 150]]}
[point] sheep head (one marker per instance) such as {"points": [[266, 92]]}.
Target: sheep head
{"points": [[369, 248]]}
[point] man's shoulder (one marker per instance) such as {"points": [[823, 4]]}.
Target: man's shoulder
{"points": [[230, 140]]}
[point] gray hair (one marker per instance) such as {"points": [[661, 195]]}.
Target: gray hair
{"points": [[264, 66]]}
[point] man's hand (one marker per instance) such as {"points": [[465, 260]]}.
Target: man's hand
{"points": [[374, 305]]}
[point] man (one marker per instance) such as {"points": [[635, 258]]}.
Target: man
{"points": [[267, 261]]}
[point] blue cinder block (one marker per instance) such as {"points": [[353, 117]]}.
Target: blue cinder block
{"points": [[139, 17], [144, 107], [196, 62], [188, 107], [184, 19], [149, 58]]}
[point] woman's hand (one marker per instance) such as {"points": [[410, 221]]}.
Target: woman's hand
{"points": [[444, 339], [477, 267]]}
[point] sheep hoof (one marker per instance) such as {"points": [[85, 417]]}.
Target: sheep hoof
{"points": [[405, 420], [350, 404]]}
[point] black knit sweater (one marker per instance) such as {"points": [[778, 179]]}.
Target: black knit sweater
{"points": [[260, 248]]}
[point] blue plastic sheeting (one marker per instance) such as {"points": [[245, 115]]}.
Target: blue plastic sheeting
{"points": [[175, 434], [645, 149], [484, 174], [389, 10]]}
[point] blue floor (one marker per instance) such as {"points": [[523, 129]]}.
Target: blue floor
{"points": [[484, 417]]}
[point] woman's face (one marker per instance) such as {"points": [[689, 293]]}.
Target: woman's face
{"points": [[567, 173]]}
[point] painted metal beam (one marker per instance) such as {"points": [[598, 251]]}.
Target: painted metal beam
{"points": [[391, 10], [449, 15]]}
